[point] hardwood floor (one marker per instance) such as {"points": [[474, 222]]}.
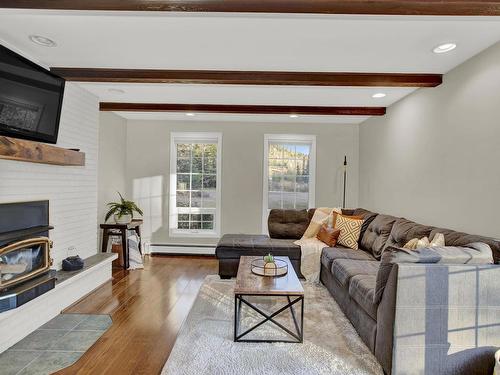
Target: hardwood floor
{"points": [[148, 308]]}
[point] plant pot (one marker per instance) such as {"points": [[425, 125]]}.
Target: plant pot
{"points": [[124, 219]]}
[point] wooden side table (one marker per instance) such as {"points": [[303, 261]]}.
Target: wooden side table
{"points": [[121, 230]]}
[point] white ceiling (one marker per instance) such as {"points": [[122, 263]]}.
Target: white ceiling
{"points": [[247, 42], [242, 94], [258, 118], [239, 94]]}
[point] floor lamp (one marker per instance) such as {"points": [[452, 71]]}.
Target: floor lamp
{"points": [[345, 180]]}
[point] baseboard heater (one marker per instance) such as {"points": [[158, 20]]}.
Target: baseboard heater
{"points": [[182, 249]]}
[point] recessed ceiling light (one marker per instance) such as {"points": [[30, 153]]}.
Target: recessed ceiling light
{"points": [[190, 114], [379, 95], [116, 91], [443, 48], [294, 116], [42, 41]]}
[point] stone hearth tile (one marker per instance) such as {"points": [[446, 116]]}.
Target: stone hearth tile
{"points": [[95, 322], [11, 362], [50, 362], [76, 341], [64, 321], [39, 340]]}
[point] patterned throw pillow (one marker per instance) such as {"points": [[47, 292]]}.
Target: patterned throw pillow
{"points": [[335, 214], [350, 229]]}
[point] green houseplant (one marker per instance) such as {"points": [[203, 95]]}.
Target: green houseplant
{"points": [[122, 211]]}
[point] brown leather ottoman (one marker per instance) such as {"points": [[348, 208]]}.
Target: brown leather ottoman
{"points": [[232, 246]]}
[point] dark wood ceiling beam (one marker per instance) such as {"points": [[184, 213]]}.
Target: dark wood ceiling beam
{"points": [[228, 77], [376, 7], [242, 109]]}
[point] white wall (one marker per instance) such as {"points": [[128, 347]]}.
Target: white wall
{"points": [[148, 144], [72, 191], [112, 160], [434, 157]]}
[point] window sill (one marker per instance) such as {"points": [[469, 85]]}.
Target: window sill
{"points": [[187, 234]]}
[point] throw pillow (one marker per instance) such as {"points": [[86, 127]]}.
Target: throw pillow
{"points": [[415, 243], [411, 244], [423, 242], [328, 235], [438, 240], [350, 229], [320, 217], [335, 214]]}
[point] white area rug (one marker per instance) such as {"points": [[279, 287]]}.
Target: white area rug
{"points": [[205, 343]]}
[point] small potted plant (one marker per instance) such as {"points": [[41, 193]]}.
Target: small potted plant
{"points": [[269, 265], [122, 211]]}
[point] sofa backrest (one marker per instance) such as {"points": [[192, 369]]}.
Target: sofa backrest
{"points": [[288, 224], [404, 230], [375, 237], [378, 231]]}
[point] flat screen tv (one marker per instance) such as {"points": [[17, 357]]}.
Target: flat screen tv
{"points": [[30, 99]]}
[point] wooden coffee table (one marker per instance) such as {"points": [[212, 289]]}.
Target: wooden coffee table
{"points": [[248, 284]]}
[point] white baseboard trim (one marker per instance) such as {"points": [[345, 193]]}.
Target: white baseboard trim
{"points": [[182, 249]]}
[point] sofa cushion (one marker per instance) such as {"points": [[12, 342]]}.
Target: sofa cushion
{"points": [[452, 238], [362, 290], [377, 233], [232, 246], [474, 253], [345, 269], [329, 254], [404, 230], [288, 224]]}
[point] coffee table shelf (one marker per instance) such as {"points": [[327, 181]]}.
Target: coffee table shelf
{"points": [[249, 284]]}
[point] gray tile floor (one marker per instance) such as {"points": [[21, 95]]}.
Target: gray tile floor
{"points": [[55, 345]]}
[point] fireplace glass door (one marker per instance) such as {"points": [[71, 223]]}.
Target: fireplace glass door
{"points": [[23, 260]]}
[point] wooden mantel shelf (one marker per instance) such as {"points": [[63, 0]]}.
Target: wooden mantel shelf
{"points": [[35, 152]]}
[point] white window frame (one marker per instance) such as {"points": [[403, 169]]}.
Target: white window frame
{"points": [[193, 137], [292, 138]]}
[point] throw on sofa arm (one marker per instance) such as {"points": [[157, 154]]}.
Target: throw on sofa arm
{"points": [[446, 319], [474, 253], [439, 310]]}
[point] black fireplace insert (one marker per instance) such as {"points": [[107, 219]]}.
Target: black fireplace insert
{"points": [[25, 259]]}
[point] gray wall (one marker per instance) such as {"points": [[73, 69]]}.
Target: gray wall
{"points": [[112, 160], [148, 144], [434, 157]]}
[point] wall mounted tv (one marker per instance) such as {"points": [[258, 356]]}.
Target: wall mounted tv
{"points": [[30, 99]]}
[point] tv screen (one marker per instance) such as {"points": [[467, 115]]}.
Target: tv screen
{"points": [[30, 99]]}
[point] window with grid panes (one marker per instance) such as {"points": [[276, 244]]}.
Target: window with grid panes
{"points": [[289, 174], [195, 182]]}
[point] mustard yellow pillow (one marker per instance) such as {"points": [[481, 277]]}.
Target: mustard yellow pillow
{"points": [[350, 229]]}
